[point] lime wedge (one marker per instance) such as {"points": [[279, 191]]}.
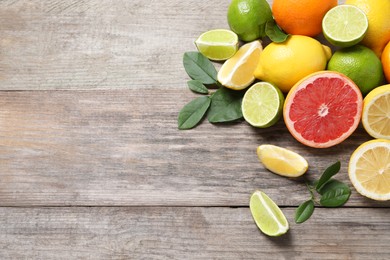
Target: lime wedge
{"points": [[262, 105], [344, 25], [282, 161], [219, 44], [267, 215]]}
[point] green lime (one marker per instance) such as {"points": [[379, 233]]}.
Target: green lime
{"points": [[360, 64], [262, 105], [267, 215], [344, 25], [219, 44], [248, 18]]}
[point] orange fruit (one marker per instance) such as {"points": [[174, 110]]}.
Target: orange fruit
{"points": [[323, 109], [385, 58], [303, 17]]}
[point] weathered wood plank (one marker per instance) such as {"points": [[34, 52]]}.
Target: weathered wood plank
{"points": [[188, 233], [91, 44], [122, 147]]}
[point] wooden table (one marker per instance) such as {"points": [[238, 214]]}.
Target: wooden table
{"points": [[92, 165]]}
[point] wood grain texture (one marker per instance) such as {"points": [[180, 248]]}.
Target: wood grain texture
{"points": [[91, 44], [188, 233], [122, 147]]}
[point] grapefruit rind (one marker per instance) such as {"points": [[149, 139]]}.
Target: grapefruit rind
{"points": [[302, 84], [384, 167]]}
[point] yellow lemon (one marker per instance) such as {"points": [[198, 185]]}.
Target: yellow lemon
{"points": [[378, 13], [284, 64], [376, 112], [237, 72], [369, 169]]}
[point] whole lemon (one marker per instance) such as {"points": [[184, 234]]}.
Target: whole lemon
{"points": [[378, 15], [360, 64], [247, 18], [284, 64]]}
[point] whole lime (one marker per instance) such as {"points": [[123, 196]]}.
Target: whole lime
{"points": [[360, 64], [247, 18]]}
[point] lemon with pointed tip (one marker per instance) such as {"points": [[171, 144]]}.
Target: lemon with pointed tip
{"points": [[284, 64]]}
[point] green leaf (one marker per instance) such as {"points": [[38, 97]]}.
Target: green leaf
{"points": [[274, 32], [200, 68], [304, 211], [335, 197], [197, 87], [328, 173], [225, 106], [332, 185], [192, 113]]}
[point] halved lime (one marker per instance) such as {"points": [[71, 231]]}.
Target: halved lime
{"points": [[344, 25], [218, 44], [267, 215], [262, 105]]}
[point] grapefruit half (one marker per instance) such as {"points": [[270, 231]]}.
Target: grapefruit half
{"points": [[323, 109]]}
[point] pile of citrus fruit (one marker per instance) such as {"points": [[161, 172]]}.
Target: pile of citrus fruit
{"points": [[322, 96]]}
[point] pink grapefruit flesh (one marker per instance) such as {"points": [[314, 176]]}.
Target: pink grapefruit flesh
{"points": [[323, 109]]}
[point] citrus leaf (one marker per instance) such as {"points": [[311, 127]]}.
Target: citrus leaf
{"points": [[192, 113], [335, 197], [328, 173], [200, 68], [197, 87], [304, 211], [332, 185], [225, 106], [274, 32]]}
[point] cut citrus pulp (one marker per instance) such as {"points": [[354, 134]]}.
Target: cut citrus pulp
{"points": [[237, 72], [345, 25], [267, 215], [376, 112], [323, 109], [219, 44], [262, 104], [282, 161], [369, 169]]}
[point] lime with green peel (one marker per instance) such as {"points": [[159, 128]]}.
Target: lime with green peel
{"points": [[248, 18], [267, 215], [345, 25], [360, 64], [218, 44], [262, 105]]}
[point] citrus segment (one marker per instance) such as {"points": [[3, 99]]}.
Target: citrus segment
{"points": [[345, 25], [376, 112], [369, 169], [282, 161], [219, 44], [323, 109], [267, 215], [262, 104], [237, 72]]}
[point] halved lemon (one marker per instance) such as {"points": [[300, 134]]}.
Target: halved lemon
{"points": [[237, 72], [376, 112], [369, 169]]}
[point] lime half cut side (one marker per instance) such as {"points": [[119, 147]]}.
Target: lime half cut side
{"points": [[218, 44], [344, 25], [267, 215], [262, 105]]}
